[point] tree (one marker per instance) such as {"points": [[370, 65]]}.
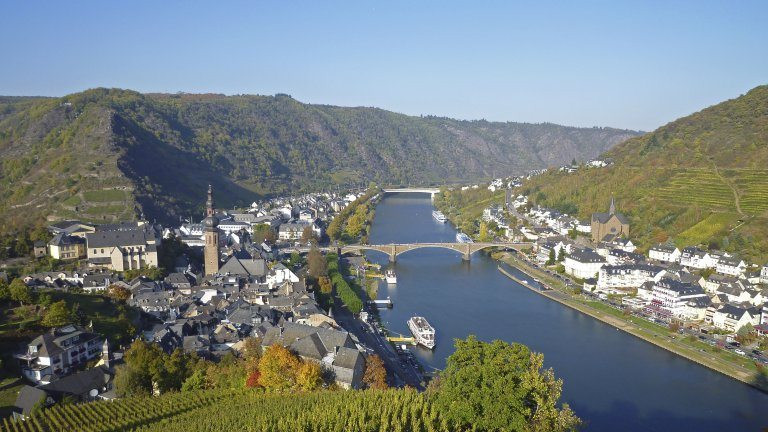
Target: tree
{"points": [[325, 285], [278, 368], [20, 292], [308, 235], [375, 375], [57, 315], [196, 381], [119, 293], [317, 264], [309, 376], [500, 386], [746, 334], [561, 255], [483, 234], [5, 292], [551, 259]]}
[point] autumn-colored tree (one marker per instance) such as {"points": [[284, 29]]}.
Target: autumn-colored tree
{"points": [[309, 376], [308, 235], [325, 285], [119, 293], [375, 376], [252, 353], [253, 379], [278, 367], [317, 264]]}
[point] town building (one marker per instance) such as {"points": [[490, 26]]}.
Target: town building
{"points": [[671, 297], [122, 247], [664, 253], [583, 263], [609, 225], [57, 352], [67, 247]]}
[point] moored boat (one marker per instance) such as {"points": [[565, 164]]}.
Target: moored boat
{"points": [[422, 331], [463, 238], [439, 216], [391, 277]]}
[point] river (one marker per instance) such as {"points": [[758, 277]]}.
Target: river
{"points": [[612, 380]]}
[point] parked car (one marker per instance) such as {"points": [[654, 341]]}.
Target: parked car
{"points": [[739, 351]]}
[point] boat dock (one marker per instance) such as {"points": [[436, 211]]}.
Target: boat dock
{"points": [[387, 303], [528, 284], [402, 339]]}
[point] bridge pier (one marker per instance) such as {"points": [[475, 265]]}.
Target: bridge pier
{"points": [[393, 254], [467, 253]]}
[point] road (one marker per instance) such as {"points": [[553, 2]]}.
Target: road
{"points": [[402, 373]]}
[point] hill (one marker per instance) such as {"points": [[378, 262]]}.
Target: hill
{"points": [[702, 179], [107, 154]]}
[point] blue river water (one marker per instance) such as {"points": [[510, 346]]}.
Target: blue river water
{"points": [[612, 380]]}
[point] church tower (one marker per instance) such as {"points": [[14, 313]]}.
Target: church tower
{"points": [[211, 222], [612, 208]]}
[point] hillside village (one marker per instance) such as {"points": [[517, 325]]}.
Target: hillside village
{"points": [[712, 291], [245, 289]]}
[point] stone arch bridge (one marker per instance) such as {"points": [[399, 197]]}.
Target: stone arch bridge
{"points": [[395, 249]]}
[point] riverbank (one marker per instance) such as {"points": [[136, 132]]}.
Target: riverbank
{"points": [[688, 347]]}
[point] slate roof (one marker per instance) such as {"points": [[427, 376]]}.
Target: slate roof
{"points": [[80, 383], [28, 397], [66, 240], [586, 256], [117, 238], [605, 217], [240, 267]]}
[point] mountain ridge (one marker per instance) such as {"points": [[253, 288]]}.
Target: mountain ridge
{"points": [[699, 180], [106, 154]]}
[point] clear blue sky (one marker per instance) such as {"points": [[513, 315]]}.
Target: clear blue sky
{"points": [[634, 65]]}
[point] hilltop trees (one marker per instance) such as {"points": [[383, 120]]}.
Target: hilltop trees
{"points": [[500, 386]]}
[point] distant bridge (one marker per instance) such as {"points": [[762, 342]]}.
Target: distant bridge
{"points": [[430, 191], [395, 249]]}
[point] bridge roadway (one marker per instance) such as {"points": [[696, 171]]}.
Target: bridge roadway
{"points": [[431, 191], [395, 249]]}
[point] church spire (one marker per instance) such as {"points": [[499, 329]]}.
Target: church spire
{"points": [[612, 209], [209, 205]]}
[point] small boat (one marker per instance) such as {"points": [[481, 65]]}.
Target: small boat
{"points": [[422, 331], [439, 216], [390, 277]]}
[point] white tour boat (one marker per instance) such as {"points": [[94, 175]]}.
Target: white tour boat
{"points": [[422, 331], [439, 216], [390, 277]]}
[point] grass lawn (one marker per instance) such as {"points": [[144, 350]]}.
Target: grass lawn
{"points": [[9, 389], [104, 195]]}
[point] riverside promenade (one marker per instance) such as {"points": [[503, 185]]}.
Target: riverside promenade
{"points": [[694, 351]]}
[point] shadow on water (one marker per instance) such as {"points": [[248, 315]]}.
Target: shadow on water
{"points": [[624, 415]]}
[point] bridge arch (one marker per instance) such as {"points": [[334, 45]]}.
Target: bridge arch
{"points": [[395, 249]]}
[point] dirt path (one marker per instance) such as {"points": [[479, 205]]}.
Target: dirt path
{"points": [[733, 189]]}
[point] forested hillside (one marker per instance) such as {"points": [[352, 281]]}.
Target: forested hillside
{"points": [[114, 154], [702, 179]]}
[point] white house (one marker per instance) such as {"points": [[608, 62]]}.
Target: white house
{"points": [[731, 266], [764, 274], [57, 352], [664, 253], [621, 277], [583, 263], [696, 258], [731, 318], [672, 296]]}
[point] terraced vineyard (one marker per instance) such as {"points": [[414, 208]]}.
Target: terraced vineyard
{"points": [[698, 187], [215, 410], [753, 189]]}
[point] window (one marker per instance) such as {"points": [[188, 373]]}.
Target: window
{"points": [[102, 251]]}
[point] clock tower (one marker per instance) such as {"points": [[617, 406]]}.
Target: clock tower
{"points": [[211, 223]]}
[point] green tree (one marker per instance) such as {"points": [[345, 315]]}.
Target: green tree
{"points": [[551, 259], [561, 255], [5, 292], [57, 315], [500, 386], [20, 292]]}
